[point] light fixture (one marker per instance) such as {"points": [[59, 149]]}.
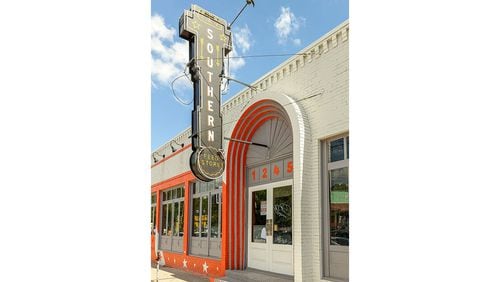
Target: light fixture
{"points": [[155, 160], [172, 147]]}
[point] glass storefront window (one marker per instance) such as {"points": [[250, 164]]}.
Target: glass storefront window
{"points": [[282, 215], [259, 203], [206, 219], [172, 223], [339, 206]]}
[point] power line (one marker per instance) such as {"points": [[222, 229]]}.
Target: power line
{"points": [[229, 122], [173, 91], [256, 56]]}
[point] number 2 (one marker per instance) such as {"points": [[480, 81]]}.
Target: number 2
{"points": [[264, 172]]}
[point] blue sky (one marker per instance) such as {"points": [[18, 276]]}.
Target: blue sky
{"points": [[271, 27]]}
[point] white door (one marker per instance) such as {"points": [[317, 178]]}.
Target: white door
{"points": [[270, 227]]}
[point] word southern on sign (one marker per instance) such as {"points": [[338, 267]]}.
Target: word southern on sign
{"points": [[209, 41]]}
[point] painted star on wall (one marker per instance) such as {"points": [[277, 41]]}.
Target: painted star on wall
{"points": [[184, 263], [205, 267]]}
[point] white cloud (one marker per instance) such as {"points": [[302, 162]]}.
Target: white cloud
{"points": [[297, 41], [159, 30], [169, 57], [236, 63], [242, 38], [286, 24]]}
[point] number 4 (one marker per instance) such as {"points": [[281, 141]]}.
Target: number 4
{"points": [[276, 170]]}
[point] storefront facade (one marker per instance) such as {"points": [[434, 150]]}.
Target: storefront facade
{"points": [[282, 207]]}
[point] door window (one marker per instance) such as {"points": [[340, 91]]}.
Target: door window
{"points": [[282, 215], [259, 204]]}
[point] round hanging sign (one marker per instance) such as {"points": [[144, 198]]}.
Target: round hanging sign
{"points": [[207, 163]]}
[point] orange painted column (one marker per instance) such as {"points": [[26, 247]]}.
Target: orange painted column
{"points": [[224, 262]]}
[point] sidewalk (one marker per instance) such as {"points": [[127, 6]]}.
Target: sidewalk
{"points": [[177, 275]]}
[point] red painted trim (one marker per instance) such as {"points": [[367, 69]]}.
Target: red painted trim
{"points": [[175, 180], [188, 146], [235, 176], [224, 225], [252, 119], [255, 124], [194, 264]]}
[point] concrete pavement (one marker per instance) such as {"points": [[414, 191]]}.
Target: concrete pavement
{"points": [[168, 274]]}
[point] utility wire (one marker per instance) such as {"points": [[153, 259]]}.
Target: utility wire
{"points": [[257, 56], [227, 80], [175, 94], [229, 122]]}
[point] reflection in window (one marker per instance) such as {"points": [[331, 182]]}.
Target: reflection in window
{"points": [[153, 217], [172, 211], [347, 140], [214, 218], [204, 216], [196, 217], [176, 219], [181, 218], [153, 211], [337, 150], [282, 215], [168, 219], [259, 216], [339, 206], [164, 220]]}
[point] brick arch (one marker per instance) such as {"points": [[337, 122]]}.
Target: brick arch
{"points": [[234, 198]]}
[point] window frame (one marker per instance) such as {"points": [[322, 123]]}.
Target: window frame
{"points": [[168, 200], [153, 210], [327, 166], [215, 190]]}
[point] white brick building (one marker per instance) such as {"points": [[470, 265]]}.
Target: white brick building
{"points": [[283, 208]]}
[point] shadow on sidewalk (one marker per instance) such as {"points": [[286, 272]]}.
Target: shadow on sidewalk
{"points": [[172, 274]]}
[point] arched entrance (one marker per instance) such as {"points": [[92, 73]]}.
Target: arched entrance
{"points": [[270, 202], [259, 169]]}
